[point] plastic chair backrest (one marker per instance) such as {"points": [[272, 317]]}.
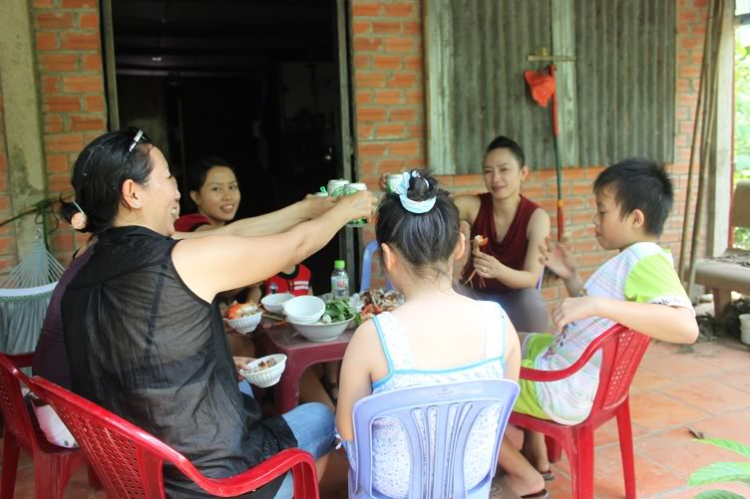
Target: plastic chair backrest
{"points": [[364, 283], [15, 413], [540, 282], [622, 350], [442, 471], [129, 461]]}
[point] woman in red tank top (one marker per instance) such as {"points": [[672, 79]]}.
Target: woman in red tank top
{"points": [[507, 269], [214, 190]]}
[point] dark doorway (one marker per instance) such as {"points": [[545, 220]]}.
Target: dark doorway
{"points": [[253, 81]]}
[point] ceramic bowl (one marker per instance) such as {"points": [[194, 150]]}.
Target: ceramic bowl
{"points": [[304, 309], [321, 333], [275, 303], [247, 324], [266, 377]]}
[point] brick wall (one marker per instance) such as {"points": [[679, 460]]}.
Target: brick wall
{"points": [[390, 107], [69, 65], [8, 256], [389, 84]]}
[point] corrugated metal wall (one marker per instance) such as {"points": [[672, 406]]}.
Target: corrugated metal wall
{"points": [[483, 93], [626, 80], [477, 53]]}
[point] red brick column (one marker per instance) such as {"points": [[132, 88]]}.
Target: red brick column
{"points": [[69, 62], [388, 74], [388, 86], [691, 26], [8, 256]]}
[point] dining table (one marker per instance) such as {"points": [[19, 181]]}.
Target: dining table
{"points": [[274, 338]]}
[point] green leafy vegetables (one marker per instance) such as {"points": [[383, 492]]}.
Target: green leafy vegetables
{"points": [[339, 310]]}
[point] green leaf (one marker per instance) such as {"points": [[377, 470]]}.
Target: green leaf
{"points": [[339, 310], [742, 450], [721, 472], [718, 494]]}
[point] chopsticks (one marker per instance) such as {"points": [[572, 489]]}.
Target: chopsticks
{"points": [[279, 321], [273, 316]]}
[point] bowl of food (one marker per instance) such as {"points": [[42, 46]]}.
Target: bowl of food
{"points": [[243, 317], [266, 371], [320, 332], [337, 317], [275, 303], [304, 309]]}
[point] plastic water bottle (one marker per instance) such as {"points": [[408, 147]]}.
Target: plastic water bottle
{"points": [[340, 280]]}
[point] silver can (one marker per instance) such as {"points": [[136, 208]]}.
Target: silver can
{"points": [[392, 181]]}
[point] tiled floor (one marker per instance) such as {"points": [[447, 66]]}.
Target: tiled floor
{"points": [[705, 387]]}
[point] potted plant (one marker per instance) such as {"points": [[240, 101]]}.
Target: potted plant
{"points": [[722, 472]]}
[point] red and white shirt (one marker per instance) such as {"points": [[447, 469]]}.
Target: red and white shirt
{"points": [[296, 283]]}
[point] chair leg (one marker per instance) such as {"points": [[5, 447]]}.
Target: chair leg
{"points": [[11, 451], [582, 465], [305, 484], [94, 482], [554, 451], [51, 475], [625, 431]]}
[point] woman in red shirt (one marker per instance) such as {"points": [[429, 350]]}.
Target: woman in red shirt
{"points": [[515, 226], [214, 189]]}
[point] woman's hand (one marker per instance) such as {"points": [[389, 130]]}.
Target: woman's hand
{"points": [[573, 309], [359, 205], [487, 266], [383, 182], [315, 206], [241, 363], [556, 257]]}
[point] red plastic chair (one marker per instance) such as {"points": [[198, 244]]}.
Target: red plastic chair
{"points": [[129, 461], [622, 350], [53, 465]]}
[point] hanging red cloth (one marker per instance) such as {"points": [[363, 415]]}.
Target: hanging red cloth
{"points": [[541, 84]]}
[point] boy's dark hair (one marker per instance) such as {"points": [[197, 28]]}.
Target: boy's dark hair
{"points": [[198, 170], [99, 173], [502, 142], [640, 184], [422, 239]]}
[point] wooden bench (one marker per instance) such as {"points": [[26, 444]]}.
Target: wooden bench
{"points": [[726, 273]]}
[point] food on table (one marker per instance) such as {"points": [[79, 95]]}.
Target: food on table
{"points": [[378, 300], [239, 310], [386, 300], [262, 366]]}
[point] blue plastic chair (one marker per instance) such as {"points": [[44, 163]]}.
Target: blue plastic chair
{"points": [[540, 281], [364, 282], [444, 469]]}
